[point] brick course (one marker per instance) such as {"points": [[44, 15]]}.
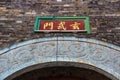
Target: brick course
{"points": [[17, 18]]}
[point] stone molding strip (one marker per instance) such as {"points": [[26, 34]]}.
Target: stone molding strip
{"points": [[59, 38]]}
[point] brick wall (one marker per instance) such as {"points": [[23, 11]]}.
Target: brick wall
{"points": [[17, 18]]}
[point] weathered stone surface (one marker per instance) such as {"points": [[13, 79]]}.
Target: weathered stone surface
{"points": [[86, 51]]}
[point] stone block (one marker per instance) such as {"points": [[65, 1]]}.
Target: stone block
{"points": [[19, 21]]}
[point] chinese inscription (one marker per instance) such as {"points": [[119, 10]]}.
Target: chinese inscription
{"points": [[62, 25]]}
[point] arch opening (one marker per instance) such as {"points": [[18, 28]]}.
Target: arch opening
{"points": [[61, 71]]}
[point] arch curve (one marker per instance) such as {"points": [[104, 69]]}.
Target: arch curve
{"points": [[99, 54], [60, 64]]}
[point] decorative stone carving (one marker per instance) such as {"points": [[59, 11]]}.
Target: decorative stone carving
{"points": [[72, 49], [86, 51], [98, 53], [3, 65], [116, 63], [46, 49], [78, 49]]}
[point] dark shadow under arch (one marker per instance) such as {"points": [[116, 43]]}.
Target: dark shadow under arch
{"points": [[61, 71]]}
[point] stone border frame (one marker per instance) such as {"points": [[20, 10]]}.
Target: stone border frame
{"points": [[106, 58]]}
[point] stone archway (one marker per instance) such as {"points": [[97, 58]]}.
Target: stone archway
{"points": [[80, 50]]}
